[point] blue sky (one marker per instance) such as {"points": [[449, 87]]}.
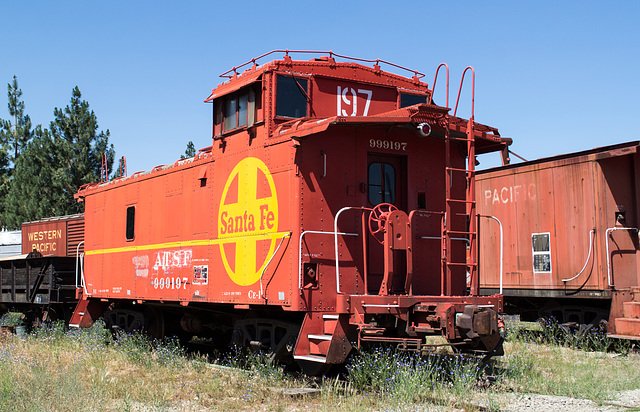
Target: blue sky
{"points": [[556, 77]]}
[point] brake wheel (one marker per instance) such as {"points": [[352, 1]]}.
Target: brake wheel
{"points": [[378, 219]]}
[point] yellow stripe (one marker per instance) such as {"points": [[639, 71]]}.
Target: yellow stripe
{"points": [[202, 242]]}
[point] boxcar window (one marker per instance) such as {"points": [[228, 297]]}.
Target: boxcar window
{"points": [[541, 252], [407, 100], [291, 97], [131, 220], [382, 182]]}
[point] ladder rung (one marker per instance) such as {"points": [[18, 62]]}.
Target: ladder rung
{"points": [[459, 170], [472, 202]]}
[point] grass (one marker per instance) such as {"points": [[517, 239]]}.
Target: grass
{"points": [[57, 370], [554, 361], [12, 319]]}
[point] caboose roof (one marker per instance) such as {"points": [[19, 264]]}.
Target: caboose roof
{"points": [[323, 66]]}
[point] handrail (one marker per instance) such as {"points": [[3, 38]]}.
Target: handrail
{"points": [[501, 246], [80, 259], [606, 239], [591, 237], [417, 74], [335, 231], [104, 176], [264, 270], [433, 87], [473, 90]]}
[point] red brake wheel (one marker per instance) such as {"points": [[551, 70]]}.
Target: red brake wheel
{"points": [[378, 217]]}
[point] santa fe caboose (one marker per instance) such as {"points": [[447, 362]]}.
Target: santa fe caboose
{"points": [[333, 209]]}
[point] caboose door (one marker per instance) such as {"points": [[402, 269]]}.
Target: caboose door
{"points": [[386, 180], [386, 183]]}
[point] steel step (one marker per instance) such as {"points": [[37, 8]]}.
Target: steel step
{"points": [[311, 358], [627, 326], [631, 310], [320, 337]]}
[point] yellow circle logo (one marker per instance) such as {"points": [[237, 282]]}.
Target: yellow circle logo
{"points": [[247, 220]]}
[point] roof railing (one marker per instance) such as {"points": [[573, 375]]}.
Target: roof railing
{"points": [[435, 78], [234, 70], [473, 90]]}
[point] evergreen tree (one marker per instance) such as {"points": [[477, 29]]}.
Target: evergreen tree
{"points": [[14, 136], [5, 171], [33, 193], [19, 133], [55, 163], [79, 149], [190, 152]]}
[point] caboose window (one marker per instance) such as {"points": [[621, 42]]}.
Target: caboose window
{"points": [[235, 111], [131, 220], [407, 100], [541, 252], [291, 97], [382, 183], [242, 109], [230, 114]]}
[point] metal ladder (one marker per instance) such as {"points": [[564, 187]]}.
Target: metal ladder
{"points": [[448, 234]]}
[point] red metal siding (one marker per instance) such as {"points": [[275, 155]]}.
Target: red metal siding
{"points": [[567, 198]]}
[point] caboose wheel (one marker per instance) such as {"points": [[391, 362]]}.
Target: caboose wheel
{"points": [[124, 320], [378, 217], [155, 325]]}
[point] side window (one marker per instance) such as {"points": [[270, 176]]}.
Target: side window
{"points": [[235, 111], [291, 97], [131, 222], [407, 100], [382, 183], [541, 252], [230, 114], [243, 100]]}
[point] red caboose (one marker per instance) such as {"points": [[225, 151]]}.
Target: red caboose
{"points": [[332, 209]]}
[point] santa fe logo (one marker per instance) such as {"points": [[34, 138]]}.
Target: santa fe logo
{"points": [[247, 221]]}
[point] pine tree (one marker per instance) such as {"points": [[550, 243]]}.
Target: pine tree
{"points": [[190, 152], [32, 193], [79, 148], [55, 163], [15, 134], [19, 133]]}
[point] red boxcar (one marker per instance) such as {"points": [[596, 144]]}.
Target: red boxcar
{"points": [[328, 212], [570, 242]]}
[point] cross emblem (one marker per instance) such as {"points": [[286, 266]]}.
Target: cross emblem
{"points": [[247, 221]]}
